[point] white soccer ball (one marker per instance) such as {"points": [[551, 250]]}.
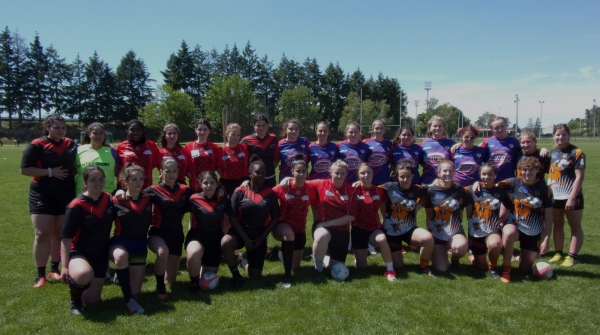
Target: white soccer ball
{"points": [[209, 281], [542, 270], [339, 272]]}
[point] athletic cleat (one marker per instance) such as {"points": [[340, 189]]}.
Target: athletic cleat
{"points": [[76, 307], [371, 249], [568, 262], [403, 250], [39, 282], [134, 307], [390, 275], [556, 258], [505, 277], [194, 288], [54, 276], [427, 271], [287, 282], [455, 265], [318, 275], [494, 274], [161, 293], [237, 282], [114, 280], [273, 254]]}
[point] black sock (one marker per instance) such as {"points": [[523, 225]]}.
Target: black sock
{"points": [[41, 271], [125, 282], [287, 250], [54, 267], [234, 271], [560, 252], [195, 280], [572, 255], [160, 282], [76, 290]]}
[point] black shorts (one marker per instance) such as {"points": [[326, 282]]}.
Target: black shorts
{"points": [[360, 238], [531, 243], [299, 241], [442, 242], [211, 242], [137, 249], [256, 256], [97, 261], [561, 204], [229, 185], [173, 239], [52, 201], [338, 244], [395, 242], [478, 245]]}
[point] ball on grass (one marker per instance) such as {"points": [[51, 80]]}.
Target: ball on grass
{"points": [[542, 270], [339, 272], [209, 281]]}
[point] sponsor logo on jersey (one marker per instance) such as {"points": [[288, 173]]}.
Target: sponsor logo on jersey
{"points": [[377, 159], [439, 195], [352, 162], [435, 158], [329, 194], [181, 157], [375, 197], [500, 158], [396, 194], [322, 165], [468, 167]]}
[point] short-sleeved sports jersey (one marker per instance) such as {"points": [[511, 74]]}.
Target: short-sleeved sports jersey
{"points": [[266, 149], [364, 206], [401, 207], [380, 159], [253, 209], [353, 155], [105, 157], [46, 153], [412, 155], [233, 162], [321, 158], [503, 154], [562, 170], [530, 202], [467, 163], [447, 205], [203, 156], [208, 214], [435, 151], [133, 218], [185, 165], [486, 210], [88, 223], [544, 163], [287, 150], [145, 154], [333, 202], [294, 202], [169, 205]]}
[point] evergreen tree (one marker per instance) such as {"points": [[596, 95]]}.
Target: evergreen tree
{"points": [[37, 67], [76, 90], [101, 88], [333, 96], [8, 80], [132, 81], [20, 75], [250, 66], [57, 78], [310, 76], [179, 68], [200, 78]]}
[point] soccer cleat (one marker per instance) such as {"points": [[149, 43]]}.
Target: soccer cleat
{"points": [[403, 250], [54, 276], [390, 275], [371, 249], [287, 282], [568, 262], [505, 277], [494, 274], [556, 258], [237, 282], [161, 293], [318, 275], [76, 307], [134, 307], [427, 271], [39, 282], [273, 254], [194, 288]]}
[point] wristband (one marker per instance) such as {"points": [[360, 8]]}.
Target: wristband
{"points": [[50, 172]]}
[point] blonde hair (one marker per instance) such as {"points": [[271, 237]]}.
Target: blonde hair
{"points": [[431, 121], [338, 163], [231, 127]]}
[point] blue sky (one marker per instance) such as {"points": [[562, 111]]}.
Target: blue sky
{"points": [[477, 54]]}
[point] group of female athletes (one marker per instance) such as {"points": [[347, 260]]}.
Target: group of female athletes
{"points": [[78, 192]]}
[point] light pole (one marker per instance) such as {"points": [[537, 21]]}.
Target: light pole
{"points": [[594, 118], [541, 104], [416, 105], [427, 88], [517, 121]]}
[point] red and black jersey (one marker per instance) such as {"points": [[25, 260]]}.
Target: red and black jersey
{"points": [[203, 157], [88, 223], [208, 214], [267, 149], [333, 202], [133, 218], [185, 166], [46, 153], [233, 162], [530, 203], [294, 202], [169, 205], [253, 209], [364, 206], [145, 154]]}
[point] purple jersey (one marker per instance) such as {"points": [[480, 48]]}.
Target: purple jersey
{"points": [[503, 154], [321, 157], [435, 151], [380, 159], [353, 155], [467, 163], [287, 151], [412, 155]]}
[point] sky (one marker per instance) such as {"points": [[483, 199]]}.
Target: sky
{"points": [[477, 54]]}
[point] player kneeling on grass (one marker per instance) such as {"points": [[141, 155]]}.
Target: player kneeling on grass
{"points": [[485, 229], [446, 202], [257, 213], [203, 242], [85, 236]]}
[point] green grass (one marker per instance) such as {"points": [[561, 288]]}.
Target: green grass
{"points": [[464, 302]]}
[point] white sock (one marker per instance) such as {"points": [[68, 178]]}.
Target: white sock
{"points": [[389, 266], [319, 264]]}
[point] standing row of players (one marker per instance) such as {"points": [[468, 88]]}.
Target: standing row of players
{"points": [[53, 160]]}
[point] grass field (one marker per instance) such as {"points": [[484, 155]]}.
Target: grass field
{"points": [[464, 302]]}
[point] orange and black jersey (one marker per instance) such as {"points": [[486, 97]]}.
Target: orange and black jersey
{"points": [[364, 206], [544, 163], [401, 207], [267, 149], [447, 205], [88, 223], [530, 201], [169, 205], [562, 170], [208, 214], [486, 210], [253, 209], [133, 218], [46, 153]]}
